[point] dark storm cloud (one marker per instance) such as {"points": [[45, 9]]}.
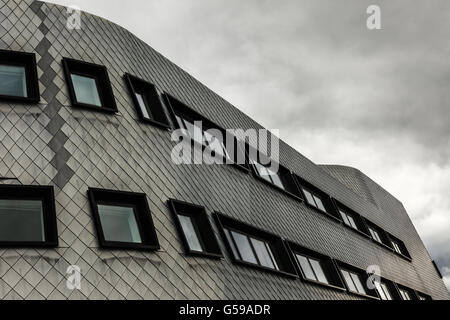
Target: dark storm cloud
{"points": [[378, 100]]}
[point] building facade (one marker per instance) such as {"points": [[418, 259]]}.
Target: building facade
{"points": [[86, 119]]}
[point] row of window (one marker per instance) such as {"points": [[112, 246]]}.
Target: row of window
{"points": [[89, 87], [123, 220]]}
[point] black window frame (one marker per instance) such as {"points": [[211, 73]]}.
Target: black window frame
{"points": [[385, 240], [47, 196], [404, 250], [154, 105], [290, 187], [180, 109], [202, 226], [363, 277], [359, 220], [326, 199], [142, 213], [28, 61], [326, 262], [421, 295], [94, 71], [391, 286], [277, 245], [412, 293]]}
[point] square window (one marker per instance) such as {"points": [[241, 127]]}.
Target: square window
{"points": [[27, 216], [254, 247], [384, 290], [18, 77], [123, 220], [195, 229], [89, 86], [146, 101], [399, 247]]}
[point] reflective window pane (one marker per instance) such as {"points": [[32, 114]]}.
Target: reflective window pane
{"points": [[319, 203], [306, 268], [262, 253], [380, 291], [344, 217], [13, 81], [244, 247], [357, 282], [318, 271], [309, 197], [386, 291], [142, 105], [119, 224], [195, 132], [262, 171], [230, 242], [190, 233], [352, 222], [21, 221], [275, 178], [348, 280], [86, 90]]}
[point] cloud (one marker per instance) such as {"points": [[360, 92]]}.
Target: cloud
{"points": [[375, 100]]}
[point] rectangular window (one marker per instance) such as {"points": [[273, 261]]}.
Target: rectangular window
{"points": [[147, 102], [119, 223], [13, 81], [27, 216], [405, 294], [269, 175], [195, 229], [314, 200], [123, 220], [311, 269], [353, 281], [375, 235], [253, 247], [396, 247], [18, 77], [89, 86], [383, 290], [86, 90], [348, 219]]}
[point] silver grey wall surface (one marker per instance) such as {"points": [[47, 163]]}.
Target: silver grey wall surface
{"points": [[54, 144]]}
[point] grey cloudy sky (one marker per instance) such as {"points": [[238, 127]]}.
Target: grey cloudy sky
{"points": [[339, 93]]}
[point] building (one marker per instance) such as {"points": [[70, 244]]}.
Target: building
{"points": [[86, 118]]}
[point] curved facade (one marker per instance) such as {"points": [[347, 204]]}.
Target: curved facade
{"points": [[51, 143]]}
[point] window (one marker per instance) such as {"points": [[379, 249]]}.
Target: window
{"points": [[253, 247], [195, 229], [405, 295], [399, 247], [123, 219], [18, 77], [423, 296], [375, 235], [383, 290], [396, 247], [353, 281], [89, 86], [27, 216], [311, 268], [314, 200], [147, 102], [348, 219], [273, 173]]}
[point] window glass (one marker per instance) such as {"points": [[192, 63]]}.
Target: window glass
{"points": [[357, 282], [319, 203], [349, 281], [142, 105], [195, 132], [275, 178], [86, 90], [262, 171], [405, 295], [230, 242], [119, 224], [21, 221], [344, 217], [375, 235], [180, 122], [352, 222], [309, 197], [396, 247], [271, 255], [380, 291], [306, 267], [13, 81], [244, 247], [386, 291], [262, 253], [190, 233], [318, 271]]}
